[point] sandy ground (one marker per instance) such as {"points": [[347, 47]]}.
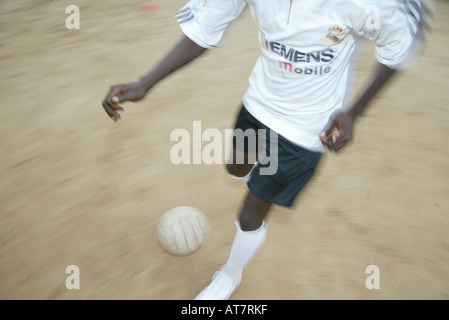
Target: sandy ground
{"points": [[78, 189]]}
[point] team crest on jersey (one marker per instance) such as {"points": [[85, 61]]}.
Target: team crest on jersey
{"points": [[335, 35]]}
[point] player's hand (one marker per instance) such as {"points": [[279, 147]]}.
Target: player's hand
{"points": [[342, 123], [120, 93]]}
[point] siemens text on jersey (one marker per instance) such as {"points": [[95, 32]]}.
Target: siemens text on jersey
{"points": [[294, 55]]}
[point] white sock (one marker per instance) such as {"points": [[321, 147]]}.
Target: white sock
{"points": [[245, 246], [248, 176]]}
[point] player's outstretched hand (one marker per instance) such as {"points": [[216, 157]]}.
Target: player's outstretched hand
{"points": [[343, 123], [120, 93]]}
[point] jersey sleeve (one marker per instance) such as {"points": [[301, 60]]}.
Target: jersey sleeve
{"points": [[206, 21], [399, 28]]}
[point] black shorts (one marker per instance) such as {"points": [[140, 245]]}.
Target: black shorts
{"points": [[284, 167]]}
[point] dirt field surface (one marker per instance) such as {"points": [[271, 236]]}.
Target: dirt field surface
{"points": [[78, 189]]}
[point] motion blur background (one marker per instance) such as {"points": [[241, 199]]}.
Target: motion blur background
{"points": [[78, 189]]}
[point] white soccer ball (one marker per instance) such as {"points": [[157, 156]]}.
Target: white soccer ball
{"points": [[182, 230]]}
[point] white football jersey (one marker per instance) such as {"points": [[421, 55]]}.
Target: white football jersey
{"points": [[301, 76]]}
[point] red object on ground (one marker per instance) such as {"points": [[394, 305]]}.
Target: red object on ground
{"points": [[151, 7]]}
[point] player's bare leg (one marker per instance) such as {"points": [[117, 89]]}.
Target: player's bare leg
{"points": [[249, 238], [253, 212]]}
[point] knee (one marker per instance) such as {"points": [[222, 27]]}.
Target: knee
{"points": [[249, 223], [253, 212]]}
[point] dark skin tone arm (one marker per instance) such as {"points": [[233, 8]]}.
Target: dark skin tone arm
{"points": [[186, 51], [343, 120], [183, 53]]}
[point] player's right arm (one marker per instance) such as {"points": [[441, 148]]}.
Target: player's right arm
{"points": [[205, 24], [183, 53]]}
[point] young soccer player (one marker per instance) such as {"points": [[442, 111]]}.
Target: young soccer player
{"points": [[298, 92]]}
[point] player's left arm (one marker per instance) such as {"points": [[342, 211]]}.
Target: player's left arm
{"points": [[343, 121], [399, 40]]}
